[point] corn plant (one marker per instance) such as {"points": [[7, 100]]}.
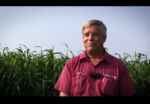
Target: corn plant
{"points": [[23, 73]]}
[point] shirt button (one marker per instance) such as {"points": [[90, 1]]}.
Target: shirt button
{"points": [[93, 89], [78, 77]]}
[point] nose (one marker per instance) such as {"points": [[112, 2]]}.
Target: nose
{"points": [[90, 37]]}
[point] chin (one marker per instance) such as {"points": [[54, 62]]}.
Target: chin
{"points": [[90, 49]]}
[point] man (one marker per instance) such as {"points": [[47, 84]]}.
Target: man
{"points": [[76, 78]]}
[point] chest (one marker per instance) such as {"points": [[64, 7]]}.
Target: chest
{"points": [[82, 83], [105, 69]]}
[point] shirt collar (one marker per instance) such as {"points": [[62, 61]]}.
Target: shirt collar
{"points": [[104, 57]]}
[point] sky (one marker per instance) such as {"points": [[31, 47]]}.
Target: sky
{"points": [[128, 28]]}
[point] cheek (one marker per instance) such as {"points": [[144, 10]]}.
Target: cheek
{"points": [[101, 39], [84, 41]]}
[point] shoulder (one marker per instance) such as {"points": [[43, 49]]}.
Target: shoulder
{"points": [[74, 60], [118, 63], [114, 59]]}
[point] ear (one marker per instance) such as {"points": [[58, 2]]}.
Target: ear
{"points": [[82, 36], [104, 37]]}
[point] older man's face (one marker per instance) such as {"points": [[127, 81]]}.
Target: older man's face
{"points": [[92, 38]]}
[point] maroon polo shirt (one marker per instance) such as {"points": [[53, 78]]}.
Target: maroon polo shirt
{"points": [[75, 78]]}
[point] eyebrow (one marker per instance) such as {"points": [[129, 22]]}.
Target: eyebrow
{"points": [[88, 33]]}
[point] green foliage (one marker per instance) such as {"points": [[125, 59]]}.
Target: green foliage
{"points": [[25, 73]]}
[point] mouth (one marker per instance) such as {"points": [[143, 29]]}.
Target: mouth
{"points": [[91, 44]]}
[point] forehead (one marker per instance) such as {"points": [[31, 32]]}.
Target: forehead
{"points": [[91, 29]]}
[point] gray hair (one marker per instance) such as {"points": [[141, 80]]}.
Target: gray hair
{"points": [[102, 26]]}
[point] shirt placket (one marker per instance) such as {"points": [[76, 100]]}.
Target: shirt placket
{"points": [[93, 80]]}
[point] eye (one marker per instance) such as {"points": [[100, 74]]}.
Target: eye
{"points": [[86, 34], [95, 34]]}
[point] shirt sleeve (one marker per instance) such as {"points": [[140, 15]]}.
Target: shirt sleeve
{"points": [[64, 82], [126, 87]]}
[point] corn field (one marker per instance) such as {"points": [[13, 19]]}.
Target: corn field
{"points": [[25, 73]]}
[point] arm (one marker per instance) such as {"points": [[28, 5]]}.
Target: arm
{"points": [[63, 94], [63, 85], [126, 87]]}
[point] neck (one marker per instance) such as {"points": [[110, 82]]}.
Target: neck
{"points": [[96, 55]]}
